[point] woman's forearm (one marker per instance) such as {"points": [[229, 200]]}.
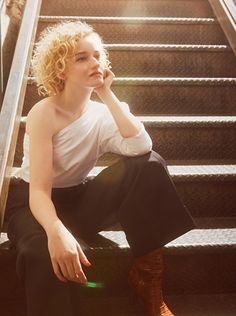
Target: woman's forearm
{"points": [[44, 210], [128, 124]]}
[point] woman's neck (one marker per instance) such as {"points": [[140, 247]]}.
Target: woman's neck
{"points": [[73, 103]]}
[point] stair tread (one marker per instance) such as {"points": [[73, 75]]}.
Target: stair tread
{"points": [[187, 118], [129, 8], [184, 47], [211, 234], [173, 80], [206, 237], [220, 172], [221, 239], [190, 170], [130, 19], [223, 304], [178, 119], [167, 80]]}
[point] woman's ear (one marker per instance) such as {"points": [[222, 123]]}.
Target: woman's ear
{"points": [[62, 76]]}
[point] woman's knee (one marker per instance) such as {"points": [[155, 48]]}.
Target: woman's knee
{"points": [[149, 160]]}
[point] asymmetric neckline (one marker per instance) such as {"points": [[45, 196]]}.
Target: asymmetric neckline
{"points": [[82, 116]]}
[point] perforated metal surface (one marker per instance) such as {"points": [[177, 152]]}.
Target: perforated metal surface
{"points": [[183, 138], [206, 240], [168, 96], [162, 8], [172, 62], [148, 29]]}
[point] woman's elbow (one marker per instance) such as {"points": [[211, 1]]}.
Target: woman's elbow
{"points": [[140, 149], [145, 148]]}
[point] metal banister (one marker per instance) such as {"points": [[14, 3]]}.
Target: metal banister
{"points": [[225, 11], [1, 63], [14, 96]]}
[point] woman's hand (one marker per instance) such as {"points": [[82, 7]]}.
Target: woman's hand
{"points": [[66, 255], [108, 77]]}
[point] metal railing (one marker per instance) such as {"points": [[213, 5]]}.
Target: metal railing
{"points": [[14, 96], [225, 11], [1, 60]]}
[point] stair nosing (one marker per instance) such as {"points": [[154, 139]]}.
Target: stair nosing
{"points": [[206, 240], [115, 19], [198, 239], [180, 121], [168, 47], [178, 172], [167, 80]]}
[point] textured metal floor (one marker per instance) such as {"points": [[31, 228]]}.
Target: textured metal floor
{"points": [[187, 305]]}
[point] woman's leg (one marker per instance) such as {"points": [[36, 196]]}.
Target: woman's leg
{"points": [[45, 294], [139, 193]]}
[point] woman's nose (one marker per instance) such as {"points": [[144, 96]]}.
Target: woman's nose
{"points": [[95, 61]]}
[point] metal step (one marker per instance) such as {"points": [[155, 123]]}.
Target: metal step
{"points": [[147, 60], [166, 96], [180, 305], [200, 261], [175, 8], [182, 137], [148, 30], [206, 190]]}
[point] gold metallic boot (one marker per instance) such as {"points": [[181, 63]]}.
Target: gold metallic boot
{"points": [[145, 278]]}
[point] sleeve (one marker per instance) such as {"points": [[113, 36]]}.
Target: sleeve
{"points": [[112, 141]]}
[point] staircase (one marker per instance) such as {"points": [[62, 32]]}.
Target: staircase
{"points": [[176, 69]]}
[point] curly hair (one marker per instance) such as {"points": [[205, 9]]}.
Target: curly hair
{"points": [[56, 45]]}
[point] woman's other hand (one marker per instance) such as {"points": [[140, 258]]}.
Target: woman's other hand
{"points": [[108, 77], [66, 255]]}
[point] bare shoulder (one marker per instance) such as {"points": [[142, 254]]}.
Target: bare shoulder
{"points": [[41, 116]]}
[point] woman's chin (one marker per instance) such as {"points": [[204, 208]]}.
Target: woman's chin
{"points": [[97, 84]]}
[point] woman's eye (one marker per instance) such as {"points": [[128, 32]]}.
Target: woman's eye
{"points": [[81, 58]]}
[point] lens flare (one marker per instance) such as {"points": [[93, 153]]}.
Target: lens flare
{"points": [[97, 285]]}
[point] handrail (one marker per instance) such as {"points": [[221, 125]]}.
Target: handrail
{"points": [[1, 63], [225, 11], [1, 4], [14, 96]]}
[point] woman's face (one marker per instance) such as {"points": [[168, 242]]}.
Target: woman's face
{"points": [[84, 69]]}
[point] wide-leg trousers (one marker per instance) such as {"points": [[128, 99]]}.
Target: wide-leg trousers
{"points": [[137, 192]]}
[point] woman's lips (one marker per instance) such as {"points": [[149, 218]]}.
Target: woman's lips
{"points": [[97, 73]]}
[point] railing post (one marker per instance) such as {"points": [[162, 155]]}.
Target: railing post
{"points": [[14, 97], [1, 59], [225, 11]]}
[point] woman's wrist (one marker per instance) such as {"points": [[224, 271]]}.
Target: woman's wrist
{"points": [[53, 227], [105, 94]]}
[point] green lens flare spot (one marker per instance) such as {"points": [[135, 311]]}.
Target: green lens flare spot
{"points": [[96, 285]]}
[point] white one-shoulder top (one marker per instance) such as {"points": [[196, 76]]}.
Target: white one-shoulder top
{"points": [[77, 147]]}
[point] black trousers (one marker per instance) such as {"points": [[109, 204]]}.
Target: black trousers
{"points": [[137, 192]]}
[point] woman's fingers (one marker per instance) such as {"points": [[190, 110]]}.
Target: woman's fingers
{"points": [[58, 272], [79, 273], [71, 274], [70, 270], [82, 257]]}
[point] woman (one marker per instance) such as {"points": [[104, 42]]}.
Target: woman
{"points": [[66, 132]]}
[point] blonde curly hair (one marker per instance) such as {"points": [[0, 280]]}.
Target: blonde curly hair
{"points": [[56, 45]]}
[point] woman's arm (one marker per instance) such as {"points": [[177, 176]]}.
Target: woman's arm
{"points": [[121, 132], [128, 124], [65, 252]]}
